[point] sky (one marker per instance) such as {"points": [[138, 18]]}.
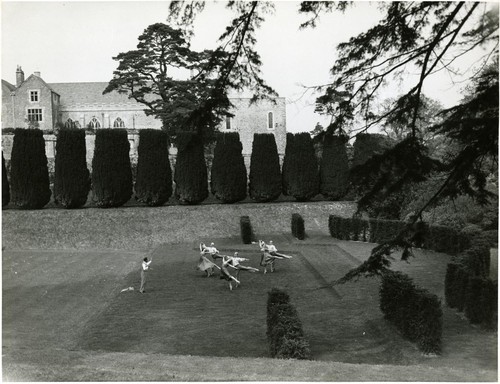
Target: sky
{"points": [[75, 42]]}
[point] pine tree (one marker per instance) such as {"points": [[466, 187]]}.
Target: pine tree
{"points": [[334, 168], [265, 176], [29, 176], [191, 179], [228, 180], [111, 170], [300, 175], [72, 178], [5, 185], [153, 184]]}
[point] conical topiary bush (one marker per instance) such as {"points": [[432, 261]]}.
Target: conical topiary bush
{"points": [[300, 176], [72, 177], [334, 168], [153, 184], [111, 169], [5, 185], [228, 179], [29, 174], [265, 176], [191, 178]]}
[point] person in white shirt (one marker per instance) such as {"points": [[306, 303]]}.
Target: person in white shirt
{"points": [[235, 262], [270, 255], [144, 269], [224, 273]]}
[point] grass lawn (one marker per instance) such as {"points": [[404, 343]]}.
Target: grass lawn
{"points": [[64, 314]]}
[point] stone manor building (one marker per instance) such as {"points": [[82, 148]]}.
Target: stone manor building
{"points": [[83, 105]]}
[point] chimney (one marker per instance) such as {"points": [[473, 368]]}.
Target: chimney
{"points": [[19, 76], [37, 74]]}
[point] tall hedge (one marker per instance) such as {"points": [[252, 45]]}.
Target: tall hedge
{"points": [[191, 179], [153, 184], [72, 178], [111, 170], [29, 173], [5, 185], [285, 174], [228, 181], [334, 168], [265, 175], [300, 177]]}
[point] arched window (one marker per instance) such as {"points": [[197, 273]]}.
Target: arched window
{"points": [[69, 123], [270, 120], [119, 123], [94, 123], [228, 122]]}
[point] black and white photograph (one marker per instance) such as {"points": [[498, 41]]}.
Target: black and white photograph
{"points": [[249, 191]]}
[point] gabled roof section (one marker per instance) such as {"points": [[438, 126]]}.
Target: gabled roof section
{"points": [[32, 76], [88, 93], [7, 85]]}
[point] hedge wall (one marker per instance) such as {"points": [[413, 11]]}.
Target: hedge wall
{"points": [[439, 239], [284, 328], [414, 311]]}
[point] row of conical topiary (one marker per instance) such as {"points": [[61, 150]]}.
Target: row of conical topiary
{"points": [[112, 182]]}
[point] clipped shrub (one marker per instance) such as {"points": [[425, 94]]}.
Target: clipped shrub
{"points": [[72, 178], [153, 185], [246, 230], [285, 174], [5, 185], [265, 176], [29, 174], [334, 168], [473, 304], [228, 181], [111, 170], [284, 329], [414, 311], [298, 230], [191, 179], [300, 174]]}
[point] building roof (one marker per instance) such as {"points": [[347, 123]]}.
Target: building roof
{"points": [[88, 93], [8, 85]]}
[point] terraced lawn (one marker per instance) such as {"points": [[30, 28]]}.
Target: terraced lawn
{"points": [[72, 301]]}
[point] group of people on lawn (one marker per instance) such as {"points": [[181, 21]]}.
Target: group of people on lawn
{"points": [[269, 256]]}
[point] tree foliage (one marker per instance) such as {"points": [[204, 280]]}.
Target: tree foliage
{"points": [[153, 185], [183, 103], [72, 178], [29, 173], [228, 181]]}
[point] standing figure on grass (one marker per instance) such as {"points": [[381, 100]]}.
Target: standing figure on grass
{"points": [[212, 251], [224, 273], [234, 262], [270, 255], [144, 269]]}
